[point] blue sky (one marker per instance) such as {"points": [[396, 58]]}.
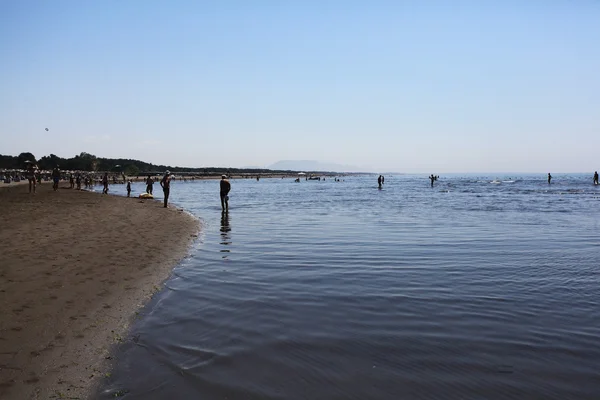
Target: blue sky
{"points": [[413, 86]]}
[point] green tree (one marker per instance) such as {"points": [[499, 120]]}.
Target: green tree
{"points": [[132, 170], [21, 158]]}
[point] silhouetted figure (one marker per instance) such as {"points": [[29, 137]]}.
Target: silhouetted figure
{"points": [[165, 183], [549, 177], [596, 178], [105, 183], [31, 177], [55, 178], [432, 178], [149, 184], [225, 188], [382, 179], [379, 181], [129, 188]]}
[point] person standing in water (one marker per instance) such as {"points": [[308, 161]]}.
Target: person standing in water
{"points": [[165, 183], [149, 184], [129, 188], [596, 178], [105, 183], [225, 188], [379, 181], [432, 178], [549, 177]]}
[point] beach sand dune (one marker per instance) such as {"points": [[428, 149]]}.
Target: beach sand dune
{"points": [[74, 268]]}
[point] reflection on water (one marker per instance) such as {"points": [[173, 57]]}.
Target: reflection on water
{"points": [[225, 233], [473, 290]]}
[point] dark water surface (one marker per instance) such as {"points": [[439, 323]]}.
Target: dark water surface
{"points": [[483, 287]]}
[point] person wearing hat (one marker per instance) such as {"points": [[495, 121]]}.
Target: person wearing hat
{"points": [[225, 188], [165, 183]]}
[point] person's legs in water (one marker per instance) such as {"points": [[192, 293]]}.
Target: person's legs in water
{"points": [[166, 192], [223, 202]]}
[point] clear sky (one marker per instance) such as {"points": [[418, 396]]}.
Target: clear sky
{"points": [[407, 86]]}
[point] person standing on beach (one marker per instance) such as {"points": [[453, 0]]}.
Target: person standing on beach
{"points": [[596, 178], [129, 188], [31, 176], [78, 181], [55, 178], [105, 183], [225, 188], [549, 177], [165, 183], [149, 184]]}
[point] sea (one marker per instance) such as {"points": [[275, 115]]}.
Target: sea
{"points": [[480, 287]]}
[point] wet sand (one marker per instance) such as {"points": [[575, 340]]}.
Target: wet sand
{"points": [[74, 268]]}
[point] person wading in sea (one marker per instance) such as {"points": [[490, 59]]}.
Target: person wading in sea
{"points": [[149, 184], [549, 177], [379, 181], [596, 178], [165, 183], [225, 188]]}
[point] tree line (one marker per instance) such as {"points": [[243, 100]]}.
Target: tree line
{"points": [[91, 163]]}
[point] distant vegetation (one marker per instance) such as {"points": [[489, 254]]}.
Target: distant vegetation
{"points": [[89, 162]]}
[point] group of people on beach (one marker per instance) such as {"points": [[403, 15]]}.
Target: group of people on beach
{"points": [[165, 183]]}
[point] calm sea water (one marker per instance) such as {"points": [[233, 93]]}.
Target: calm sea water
{"points": [[483, 287]]}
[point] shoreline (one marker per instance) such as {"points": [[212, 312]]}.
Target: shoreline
{"points": [[75, 266]]}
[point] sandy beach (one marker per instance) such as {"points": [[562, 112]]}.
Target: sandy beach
{"points": [[74, 268]]}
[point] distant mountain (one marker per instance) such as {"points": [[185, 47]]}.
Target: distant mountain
{"points": [[311, 165]]}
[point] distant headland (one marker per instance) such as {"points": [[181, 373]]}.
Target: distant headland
{"points": [[89, 162]]}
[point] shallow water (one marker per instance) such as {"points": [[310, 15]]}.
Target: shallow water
{"points": [[483, 287]]}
